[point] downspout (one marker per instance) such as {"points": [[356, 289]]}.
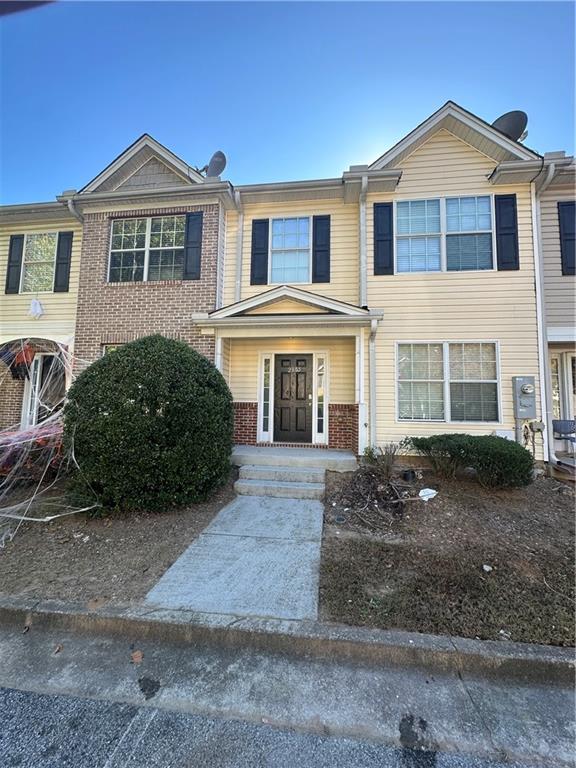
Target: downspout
{"points": [[239, 238], [74, 211], [363, 260], [372, 393], [544, 366]]}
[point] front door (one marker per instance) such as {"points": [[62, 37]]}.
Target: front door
{"points": [[293, 398]]}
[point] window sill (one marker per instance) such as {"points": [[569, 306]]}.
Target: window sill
{"points": [[131, 283]]}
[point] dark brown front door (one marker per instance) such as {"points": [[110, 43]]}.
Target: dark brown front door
{"points": [[293, 398]]}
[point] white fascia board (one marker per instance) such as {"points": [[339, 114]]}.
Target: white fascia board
{"points": [[289, 292], [34, 212], [221, 191], [561, 334], [453, 110], [168, 157], [287, 321]]}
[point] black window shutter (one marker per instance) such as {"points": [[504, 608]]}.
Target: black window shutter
{"points": [[506, 232], [193, 246], [14, 263], [63, 259], [259, 258], [567, 219], [321, 249], [383, 239]]}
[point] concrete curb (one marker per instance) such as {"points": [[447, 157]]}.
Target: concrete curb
{"points": [[505, 661]]}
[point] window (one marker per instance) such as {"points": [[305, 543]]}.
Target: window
{"points": [[147, 249], [38, 263], [320, 399], [421, 382], [290, 251], [472, 248], [473, 382], [266, 396], [452, 234], [448, 382], [418, 236]]}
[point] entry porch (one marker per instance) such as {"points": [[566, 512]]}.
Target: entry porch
{"points": [[297, 367]]}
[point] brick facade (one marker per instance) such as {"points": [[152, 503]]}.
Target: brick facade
{"points": [[115, 313], [342, 426], [245, 423], [12, 392]]}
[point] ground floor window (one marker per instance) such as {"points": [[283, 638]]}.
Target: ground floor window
{"points": [[555, 381], [448, 381]]}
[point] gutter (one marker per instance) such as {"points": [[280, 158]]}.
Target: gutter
{"points": [[362, 223], [372, 392], [543, 364], [326, 320], [73, 211]]}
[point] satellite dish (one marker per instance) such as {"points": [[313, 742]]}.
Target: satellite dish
{"points": [[512, 124], [216, 165]]}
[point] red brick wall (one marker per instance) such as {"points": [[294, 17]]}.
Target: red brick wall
{"points": [[115, 313], [11, 394], [343, 426], [245, 423]]}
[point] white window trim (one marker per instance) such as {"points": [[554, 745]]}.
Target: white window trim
{"points": [[268, 437], [146, 248], [310, 244], [446, 364], [22, 266], [443, 235]]}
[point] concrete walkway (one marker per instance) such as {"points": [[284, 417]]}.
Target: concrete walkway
{"points": [[260, 556]]}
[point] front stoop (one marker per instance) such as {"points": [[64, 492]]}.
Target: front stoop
{"points": [[296, 473]]}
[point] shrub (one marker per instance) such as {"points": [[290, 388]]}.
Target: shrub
{"points": [[150, 425], [382, 459], [499, 463]]}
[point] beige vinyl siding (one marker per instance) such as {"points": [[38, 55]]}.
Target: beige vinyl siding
{"points": [[344, 246], [559, 289], [453, 306], [285, 307], [59, 318], [226, 343], [245, 360]]}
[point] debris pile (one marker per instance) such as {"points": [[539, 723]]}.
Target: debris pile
{"points": [[370, 501]]}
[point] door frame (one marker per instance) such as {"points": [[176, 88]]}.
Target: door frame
{"points": [[268, 437], [566, 388], [29, 418]]}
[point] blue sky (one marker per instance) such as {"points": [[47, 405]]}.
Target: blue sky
{"points": [[288, 91]]}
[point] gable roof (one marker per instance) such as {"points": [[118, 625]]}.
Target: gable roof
{"points": [[323, 303], [134, 158], [464, 125]]}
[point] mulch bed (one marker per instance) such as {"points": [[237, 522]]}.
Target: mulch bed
{"points": [[471, 562], [113, 558]]}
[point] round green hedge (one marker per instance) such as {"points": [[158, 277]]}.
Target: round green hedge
{"points": [[150, 425]]}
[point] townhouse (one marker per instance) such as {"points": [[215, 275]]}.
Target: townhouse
{"points": [[40, 262], [403, 297]]}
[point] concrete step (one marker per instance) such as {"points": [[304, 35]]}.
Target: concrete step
{"points": [[282, 474], [339, 461], [279, 489]]}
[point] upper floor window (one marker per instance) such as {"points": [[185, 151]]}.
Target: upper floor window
{"points": [[38, 262], [444, 234], [290, 251], [147, 249]]}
